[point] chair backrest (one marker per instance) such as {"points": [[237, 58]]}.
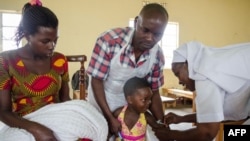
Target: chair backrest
{"points": [[82, 59], [220, 134]]}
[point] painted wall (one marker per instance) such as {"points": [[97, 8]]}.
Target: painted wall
{"points": [[214, 22]]}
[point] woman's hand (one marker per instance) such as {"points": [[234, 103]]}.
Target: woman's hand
{"points": [[171, 118], [42, 133]]}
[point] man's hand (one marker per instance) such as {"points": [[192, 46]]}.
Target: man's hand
{"points": [[114, 126], [161, 133]]}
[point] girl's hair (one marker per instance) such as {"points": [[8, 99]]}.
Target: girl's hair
{"points": [[134, 84], [33, 17]]}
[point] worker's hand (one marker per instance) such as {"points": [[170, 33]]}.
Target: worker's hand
{"points": [[172, 118]]}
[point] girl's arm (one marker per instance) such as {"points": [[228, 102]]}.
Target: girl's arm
{"points": [[152, 121]]}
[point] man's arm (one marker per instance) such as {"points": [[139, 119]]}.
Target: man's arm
{"points": [[99, 94], [156, 106], [158, 77]]}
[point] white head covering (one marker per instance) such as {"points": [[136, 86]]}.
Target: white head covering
{"points": [[191, 53], [180, 55], [227, 66]]}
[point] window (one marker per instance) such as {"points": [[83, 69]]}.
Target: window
{"points": [[8, 24], [169, 41]]}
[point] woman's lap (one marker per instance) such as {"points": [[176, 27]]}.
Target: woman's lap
{"points": [[70, 120]]}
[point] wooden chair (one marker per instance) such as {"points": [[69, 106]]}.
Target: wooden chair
{"points": [[82, 59], [220, 134]]}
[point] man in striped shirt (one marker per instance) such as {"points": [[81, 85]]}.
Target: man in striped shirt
{"points": [[122, 53]]}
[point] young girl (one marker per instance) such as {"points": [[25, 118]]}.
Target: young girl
{"points": [[134, 116]]}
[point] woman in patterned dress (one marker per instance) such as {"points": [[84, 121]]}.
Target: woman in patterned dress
{"points": [[33, 78]]}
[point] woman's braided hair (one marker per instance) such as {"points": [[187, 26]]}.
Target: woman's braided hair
{"points": [[33, 17]]}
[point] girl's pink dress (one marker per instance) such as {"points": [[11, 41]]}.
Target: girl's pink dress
{"points": [[137, 133]]}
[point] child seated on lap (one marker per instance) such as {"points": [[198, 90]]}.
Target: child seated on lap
{"points": [[134, 116]]}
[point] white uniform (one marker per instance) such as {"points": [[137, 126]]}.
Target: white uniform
{"points": [[222, 79]]}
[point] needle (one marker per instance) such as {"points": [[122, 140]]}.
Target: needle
{"points": [[120, 136]]}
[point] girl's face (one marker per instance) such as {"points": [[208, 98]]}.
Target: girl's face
{"points": [[43, 42], [180, 70], [141, 99]]}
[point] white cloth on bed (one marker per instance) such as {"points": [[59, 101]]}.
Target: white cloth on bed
{"points": [[70, 121]]}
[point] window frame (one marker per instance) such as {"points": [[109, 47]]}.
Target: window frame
{"points": [[3, 27]]}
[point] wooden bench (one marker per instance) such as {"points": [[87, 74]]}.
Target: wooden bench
{"points": [[181, 93], [167, 101]]}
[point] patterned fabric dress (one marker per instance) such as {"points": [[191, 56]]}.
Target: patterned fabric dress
{"points": [[31, 91], [33, 95], [137, 133]]}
